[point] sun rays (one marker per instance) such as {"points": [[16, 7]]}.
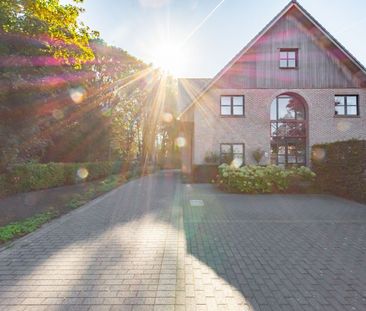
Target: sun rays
{"points": [[68, 95], [173, 57]]}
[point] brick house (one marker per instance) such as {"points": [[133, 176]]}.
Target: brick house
{"points": [[294, 85]]}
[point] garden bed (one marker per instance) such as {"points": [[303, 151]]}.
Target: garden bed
{"points": [[25, 212]]}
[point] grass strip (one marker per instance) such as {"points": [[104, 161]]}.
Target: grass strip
{"points": [[28, 225]]}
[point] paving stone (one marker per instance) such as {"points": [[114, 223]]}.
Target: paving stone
{"points": [[144, 247]]}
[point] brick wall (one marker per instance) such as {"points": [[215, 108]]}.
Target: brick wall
{"points": [[254, 129]]}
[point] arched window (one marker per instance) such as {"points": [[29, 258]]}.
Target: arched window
{"points": [[288, 131]]}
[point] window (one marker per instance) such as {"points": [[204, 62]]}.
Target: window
{"points": [[232, 106], [232, 154], [288, 58], [288, 131], [346, 105]]}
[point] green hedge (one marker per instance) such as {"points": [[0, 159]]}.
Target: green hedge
{"points": [[261, 179], [341, 168], [36, 176]]}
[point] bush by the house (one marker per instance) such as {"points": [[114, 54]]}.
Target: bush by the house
{"points": [[260, 179], [36, 176], [341, 168]]}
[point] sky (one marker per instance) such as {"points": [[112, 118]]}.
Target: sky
{"points": [[196, 38]]}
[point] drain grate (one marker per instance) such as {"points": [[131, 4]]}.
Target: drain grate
{"points": [[196, 203]]}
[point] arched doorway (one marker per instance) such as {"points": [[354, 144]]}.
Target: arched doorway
{"points": [[288, 130]]}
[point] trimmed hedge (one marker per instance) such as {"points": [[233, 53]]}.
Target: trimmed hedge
{"points": [[36, 176], [341, 168], [261, 179]]}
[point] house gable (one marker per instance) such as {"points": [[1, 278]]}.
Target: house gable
{"points": [[321, 63]]}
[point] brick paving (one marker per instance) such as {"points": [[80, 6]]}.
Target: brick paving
{"points": [[143, 247]]}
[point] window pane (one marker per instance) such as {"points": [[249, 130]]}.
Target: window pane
{"points": [[339, 100], [300, 114], [301, 159], [283, 55], [285, 109], [291, 63], [352, 100], [282, 111], [281, 159], [281, 149], [283, 63], [274, 110], [226, 110], [291, 159], [238, 111], [238, 101], [340, 110], [225, 100], [226, 148], [291, 149], [352, 110], [238, 149], [291, 55]]}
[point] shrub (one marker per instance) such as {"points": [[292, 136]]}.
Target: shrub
{"points": [[259, 179], [36, 176], [76, 201], [341, 168]]}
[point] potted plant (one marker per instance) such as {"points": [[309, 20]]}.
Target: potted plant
{"points": [[258, 155]]}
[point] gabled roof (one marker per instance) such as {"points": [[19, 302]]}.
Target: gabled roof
{"points": [[188, 90], [288, 7]]}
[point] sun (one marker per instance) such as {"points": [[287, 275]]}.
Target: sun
{"points": [[169, 58]]}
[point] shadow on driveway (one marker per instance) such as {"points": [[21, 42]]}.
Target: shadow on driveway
{"points": [[281, 252], [144, 246]]}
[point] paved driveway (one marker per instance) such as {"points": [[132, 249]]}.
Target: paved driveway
{"points": [[144, 247]]}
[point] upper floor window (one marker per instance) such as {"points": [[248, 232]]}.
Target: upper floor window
{"points": [[346, 105], [288, 58], [232, 105]]}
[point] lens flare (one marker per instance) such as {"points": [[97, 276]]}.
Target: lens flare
{"points": [[82, 173], [167, 117], [318, 154], [77, 94], [58, 114], [180, 142]]}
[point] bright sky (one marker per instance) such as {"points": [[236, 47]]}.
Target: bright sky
{"points": [[205, 34]]}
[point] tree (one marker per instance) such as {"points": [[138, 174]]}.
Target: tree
{"points": [[47, 28], [105, 125], [41, 44]]}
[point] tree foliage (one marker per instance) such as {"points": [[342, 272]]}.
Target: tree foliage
{"points": [[50, 28], [66, 96]]}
